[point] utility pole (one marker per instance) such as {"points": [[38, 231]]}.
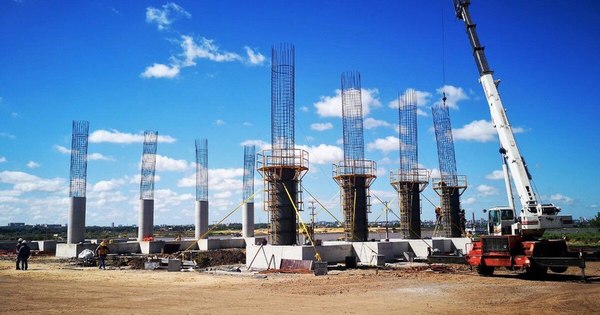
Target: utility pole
{"points": [[387, 232], [312, 218]]}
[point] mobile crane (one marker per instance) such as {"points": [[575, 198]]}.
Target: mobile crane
{"points": [[514, 243]]}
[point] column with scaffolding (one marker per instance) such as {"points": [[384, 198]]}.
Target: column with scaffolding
{"points": [[409, 180], [449, 186], [282, 167], [201, 209], [354, 175], [78, 181], [146, 220], [248, 192]]}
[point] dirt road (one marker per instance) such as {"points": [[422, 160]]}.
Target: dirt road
{"points": [[51, 287]]}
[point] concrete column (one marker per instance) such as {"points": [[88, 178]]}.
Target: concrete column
{"points": [[146, 223], [248, 220], [201, 218], [76, 225]]}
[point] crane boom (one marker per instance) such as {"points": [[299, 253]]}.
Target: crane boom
{"points": [[534, 216]]}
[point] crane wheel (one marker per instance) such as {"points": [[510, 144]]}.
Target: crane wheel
{"points": [[485, 271], [536, 272], [558, 269]]}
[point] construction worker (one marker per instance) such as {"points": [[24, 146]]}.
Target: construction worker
{"points": [[102, 251], [24, 253], [438, 212], [17, 251]]}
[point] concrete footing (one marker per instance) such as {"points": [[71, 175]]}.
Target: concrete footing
{"points": [[366, 253]]}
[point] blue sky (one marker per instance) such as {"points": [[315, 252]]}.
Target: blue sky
{"points": [[199, 69]]}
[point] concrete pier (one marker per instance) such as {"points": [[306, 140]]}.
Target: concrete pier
{"points": [[146, 222], [76, 225], [201, 218], [248, 220]]}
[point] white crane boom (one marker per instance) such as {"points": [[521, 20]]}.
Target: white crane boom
{"points": [[535, 217]]}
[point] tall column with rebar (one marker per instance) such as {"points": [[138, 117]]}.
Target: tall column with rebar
{"points": [[354, 174], [448, 186], [77, 205], [248, 192], [409, 180], [283, 166], [201, 213], [146, 220]]}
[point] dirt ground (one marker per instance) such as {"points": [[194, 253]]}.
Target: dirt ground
{"points": [[51, 286]]}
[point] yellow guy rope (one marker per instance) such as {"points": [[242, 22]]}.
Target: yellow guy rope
{"points": [[322, 206], [317, 256], [215, 225]]}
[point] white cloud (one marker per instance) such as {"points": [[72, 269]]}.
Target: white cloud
{"points": [[62, 149], [164, 17], [99, 157], [561, 198], [372, 123], [434, 173], [33, 165], [469, 201], [385, 145], [164, 163], [205, 50], [485, 190], [421, 112], [2, 159], [7, 135], [495, 175], [321, 126], [260, 145], [453, 95], [422, 98], [108, 185], [331, 106], [478, 130], [115, 136], [220, 122], [223, 179], [91, 156], [159, 70], [247, 124], [304, 109], [254, 58], [323, 153], [25, 182]]}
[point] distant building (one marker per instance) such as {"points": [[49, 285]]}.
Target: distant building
{"points": [[16, 224]]}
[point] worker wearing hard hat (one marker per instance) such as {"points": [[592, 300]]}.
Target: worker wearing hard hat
{"points": [[102, 251]]}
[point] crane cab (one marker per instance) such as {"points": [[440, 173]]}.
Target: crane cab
{"points": [[500, 220]]}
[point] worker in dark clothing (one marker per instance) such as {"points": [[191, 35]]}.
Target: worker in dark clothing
{"points": [[17, 251], [102, 251], [24, 253]]}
